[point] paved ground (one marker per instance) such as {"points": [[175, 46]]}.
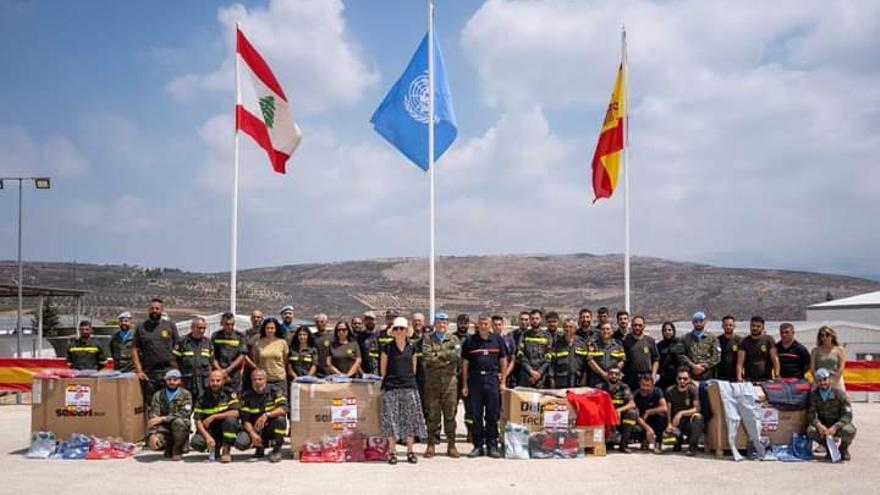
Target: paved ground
{"points": [[636, 473]]}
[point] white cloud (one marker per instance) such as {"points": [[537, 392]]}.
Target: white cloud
{"points": [[754, 126], [56, 155], [307, 47]]}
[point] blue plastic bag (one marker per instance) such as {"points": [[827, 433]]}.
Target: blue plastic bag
{"points": [[801, 446]]}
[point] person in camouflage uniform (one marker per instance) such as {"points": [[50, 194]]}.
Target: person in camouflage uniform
{"points": [[441, 353], [702, 350], [830, 414], [169, 423], [605, 353], [120, 344]]}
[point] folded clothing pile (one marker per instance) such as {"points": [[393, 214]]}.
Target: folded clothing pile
{"points": [[558, 443]]}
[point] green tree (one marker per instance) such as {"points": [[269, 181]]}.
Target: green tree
{"points": [[51, 319]]}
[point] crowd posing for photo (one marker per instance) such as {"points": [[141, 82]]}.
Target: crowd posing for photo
{"points": [[233, 385]]}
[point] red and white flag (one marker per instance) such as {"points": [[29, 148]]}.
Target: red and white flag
{"points": [[264, 115]]}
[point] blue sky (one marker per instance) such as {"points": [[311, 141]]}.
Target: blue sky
{"points": [[754, 131]]}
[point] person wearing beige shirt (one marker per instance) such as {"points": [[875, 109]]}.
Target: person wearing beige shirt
{"points": [[270, 355]]}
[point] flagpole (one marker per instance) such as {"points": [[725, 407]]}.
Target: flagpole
{"points": [[431, 288], [233, 269], [626, 254]]}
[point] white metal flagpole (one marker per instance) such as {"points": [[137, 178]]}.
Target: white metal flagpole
{"points": [[626, 253], [432, 306], [233, 269]]}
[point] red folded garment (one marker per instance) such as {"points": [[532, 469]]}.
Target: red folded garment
{"points": [[594, 408]]}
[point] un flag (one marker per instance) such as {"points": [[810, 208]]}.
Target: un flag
{"points": [[402, 118]]}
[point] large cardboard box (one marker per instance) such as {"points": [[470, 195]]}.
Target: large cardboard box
{"points": [[790, 422], [318, 409], [538, 409], [103, 407]]}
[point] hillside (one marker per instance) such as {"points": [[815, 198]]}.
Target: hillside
{"points": [[662, 289]]}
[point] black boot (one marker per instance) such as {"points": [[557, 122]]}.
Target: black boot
{"points": [[476, 452]]}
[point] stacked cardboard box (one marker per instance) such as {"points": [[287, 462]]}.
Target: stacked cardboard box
{"points": [[101, 407], [538, 409], [319, 409]]}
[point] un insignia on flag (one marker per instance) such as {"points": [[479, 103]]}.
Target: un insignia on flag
{"points": [[416, 99]]}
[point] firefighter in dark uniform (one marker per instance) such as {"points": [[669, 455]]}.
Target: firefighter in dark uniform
{"points": [[230, 347], [570, 355], [120, 344], [195, 355], [483, 366], [605, 353], [151, 348], [462, 325], [263, 418], [375, 343], [216, 416], [622, 399], [533, 354], [84, 353]]}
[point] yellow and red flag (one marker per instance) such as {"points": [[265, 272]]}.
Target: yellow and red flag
{"points": [[608, 158]]}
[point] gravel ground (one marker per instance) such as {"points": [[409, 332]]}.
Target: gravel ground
{"points": [[148, 473]]}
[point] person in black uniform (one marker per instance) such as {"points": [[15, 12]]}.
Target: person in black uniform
{"points": [[585, 324], [230, 347], [484, 364], [729, 342], [195, 355], [216, 416], [570, 356], [303, 358], [641, 353], [669, 348], [369, 350], [651, 405], [151, 350], [533, 353], [794, 358], [263, 418], [462, 324], [622, 398], [84, 353]]}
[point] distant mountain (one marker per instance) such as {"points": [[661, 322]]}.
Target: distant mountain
{"points": [[662, 289]]}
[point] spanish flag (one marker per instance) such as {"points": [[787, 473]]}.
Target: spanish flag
{"points": [[609, 150]]}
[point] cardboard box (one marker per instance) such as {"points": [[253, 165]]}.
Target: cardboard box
{"points": [[538, 409], [318, 409], [103, 407], [790, 422]]}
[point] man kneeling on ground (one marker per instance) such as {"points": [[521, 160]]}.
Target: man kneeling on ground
{"points": [[263, 417], [170, 409], [684, 412], [830, 414], [216, 419]]}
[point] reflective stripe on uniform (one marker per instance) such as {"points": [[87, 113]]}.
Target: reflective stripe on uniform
{"points": [[539, 340], [234, 342], [280, 431], [229, 434], [561, 354], [83, 349], [628, 421], [250, 410], [595, 353]]}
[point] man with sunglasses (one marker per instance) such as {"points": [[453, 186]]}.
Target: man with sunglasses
{"points": [[685, 419], [830, 415]]}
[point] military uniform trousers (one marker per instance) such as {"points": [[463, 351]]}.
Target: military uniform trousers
{"points": [[273, 432], [846, 434], [441, 398], [485, 405], [173, 435], [224, 432]]}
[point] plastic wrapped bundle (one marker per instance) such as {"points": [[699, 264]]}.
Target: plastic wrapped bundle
{"points": [[516, 441], [43, 445], [75, 448]]}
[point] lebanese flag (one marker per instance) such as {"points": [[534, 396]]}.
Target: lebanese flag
{"points": [[265, 114]]}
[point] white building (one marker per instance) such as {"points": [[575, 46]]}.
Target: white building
{"points": [[863, 308]]}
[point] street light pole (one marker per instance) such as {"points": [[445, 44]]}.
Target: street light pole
{"points": [[39, 183], [18, 329]]}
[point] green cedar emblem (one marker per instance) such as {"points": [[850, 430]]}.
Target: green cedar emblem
{"points": [[267, 106]]}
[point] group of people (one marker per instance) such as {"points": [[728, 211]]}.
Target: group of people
{"points": [[234, 384]]}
